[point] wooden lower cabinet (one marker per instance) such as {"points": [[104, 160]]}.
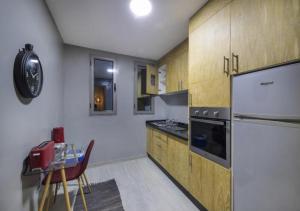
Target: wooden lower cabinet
{"points": [[171, 153], [149, 141], [210, 183], [160, 148], [178, 160], [207, 181]]}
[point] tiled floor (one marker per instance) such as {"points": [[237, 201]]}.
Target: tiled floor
{"points": [[143, 187]]}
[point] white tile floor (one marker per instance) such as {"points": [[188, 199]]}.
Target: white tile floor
{"points": [[143, 187]]}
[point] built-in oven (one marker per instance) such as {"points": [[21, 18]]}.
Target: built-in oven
{"points": [[210, 134]]}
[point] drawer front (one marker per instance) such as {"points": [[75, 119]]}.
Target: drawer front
{"points": [[160, 135]]}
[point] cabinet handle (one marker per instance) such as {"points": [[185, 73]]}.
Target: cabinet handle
{"points": [[235, 56], [181, 85], [226, 66]]}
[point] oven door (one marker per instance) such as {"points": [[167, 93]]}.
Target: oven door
{"points": [[211, 139]]}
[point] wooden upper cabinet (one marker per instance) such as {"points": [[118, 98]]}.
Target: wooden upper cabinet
{"points": [[209, 64], [264, 32], [172, 77], [150, 78], [177, 68]]}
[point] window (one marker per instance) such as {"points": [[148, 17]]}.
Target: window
{"points": [[103, 87], [143, 102]]}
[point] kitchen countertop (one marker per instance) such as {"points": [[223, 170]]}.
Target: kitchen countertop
{"points": [[182, 134]]}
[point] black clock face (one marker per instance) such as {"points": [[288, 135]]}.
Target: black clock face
{"points": [[28, 73], [33, 72]]}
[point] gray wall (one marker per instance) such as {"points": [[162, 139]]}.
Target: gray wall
{"points": [[23, 126], [177, 107], [117, 137]]}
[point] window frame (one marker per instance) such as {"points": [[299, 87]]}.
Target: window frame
{"points": [[135, 102], [92, 80]]}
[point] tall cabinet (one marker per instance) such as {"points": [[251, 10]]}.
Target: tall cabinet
{"points": [[209, 53], [230, 37], [264, 33]]}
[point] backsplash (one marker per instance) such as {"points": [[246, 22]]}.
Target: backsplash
{"points": [[177, 107]]}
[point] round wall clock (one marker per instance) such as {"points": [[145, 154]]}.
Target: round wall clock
{"points": [[28, 73]]}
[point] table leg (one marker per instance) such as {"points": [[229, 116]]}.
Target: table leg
{"points": [[49, 198], [67, 199], [82, 195], [49, 177]]}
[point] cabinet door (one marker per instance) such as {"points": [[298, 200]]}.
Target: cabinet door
{"points": [[196, 181], [178, 160], [151, 80], [221, 189], [209, 85], [183, 69], [210, 183], [265, 32], [149, 141], [172, 79]]}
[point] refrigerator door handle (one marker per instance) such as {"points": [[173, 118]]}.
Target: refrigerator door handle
{"points": [[266, 117]]}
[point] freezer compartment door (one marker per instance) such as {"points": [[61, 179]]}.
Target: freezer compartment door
{"points": [[266, 167], [273, 92]]}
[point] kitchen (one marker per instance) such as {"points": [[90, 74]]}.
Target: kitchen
{"points": [[191, 106]]}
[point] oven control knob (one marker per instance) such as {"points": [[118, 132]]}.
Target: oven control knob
{"points": [[197, 112], [205, 113], [216, 113]]}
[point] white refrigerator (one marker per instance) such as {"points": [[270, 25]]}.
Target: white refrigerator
{"points": [[266, 140]]}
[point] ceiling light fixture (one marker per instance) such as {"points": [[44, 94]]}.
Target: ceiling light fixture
{"points": [[140, 8]]}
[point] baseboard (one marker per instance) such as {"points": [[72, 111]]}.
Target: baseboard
{"points": [[184, 191], [101, 163]]}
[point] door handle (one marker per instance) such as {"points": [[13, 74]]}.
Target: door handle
{"points": [[226, 66], [235, 56]]}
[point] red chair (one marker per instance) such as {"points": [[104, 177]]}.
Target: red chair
{"points": [[58, 136], [73, 173]]}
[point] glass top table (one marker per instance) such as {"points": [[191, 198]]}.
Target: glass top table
{"points": [[66, 156]]}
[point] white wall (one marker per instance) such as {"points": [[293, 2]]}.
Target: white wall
{"points": [[120, 136], [23, 126]]}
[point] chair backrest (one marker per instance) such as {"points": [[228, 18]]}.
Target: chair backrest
{"points": [[58, 135], [86, 157]]}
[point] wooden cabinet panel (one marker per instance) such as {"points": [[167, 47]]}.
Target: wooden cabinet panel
{"points": [[149, 141], [210, 183], [222, 189], [160, 148], [207, 11], [151, 80], [178, 164], [172, 80], [177, 67], [182, 65], [265, 32], [209, 85]]}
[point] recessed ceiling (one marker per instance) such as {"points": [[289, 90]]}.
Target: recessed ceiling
{"points": [[109, 25]]}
